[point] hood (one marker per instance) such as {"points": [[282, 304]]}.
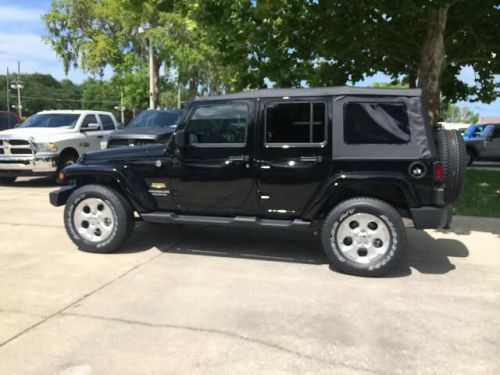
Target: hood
{"points": [[123, 154], [26, 133], [142, 133]]}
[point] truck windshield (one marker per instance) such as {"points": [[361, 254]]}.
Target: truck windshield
{"points": [[154, 119], [51, 120]]}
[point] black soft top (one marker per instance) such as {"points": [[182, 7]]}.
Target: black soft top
{"points": [[319, 91]]}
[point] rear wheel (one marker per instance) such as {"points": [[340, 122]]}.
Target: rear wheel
{"points": [[364, 237], [7, 180], [98, 219]]}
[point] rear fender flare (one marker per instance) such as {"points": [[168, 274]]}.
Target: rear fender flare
{"points": [[347, 183]]}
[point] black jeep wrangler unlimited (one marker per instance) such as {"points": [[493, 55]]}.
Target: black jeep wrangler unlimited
{"points": [[346, 162]]}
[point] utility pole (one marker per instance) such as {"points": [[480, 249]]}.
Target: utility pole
{"points": [[122, 108], [8, 89], [18, 85], [152, 79]]}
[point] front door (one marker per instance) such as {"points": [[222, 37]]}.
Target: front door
{"points": [[213, 172], [293, 154]]}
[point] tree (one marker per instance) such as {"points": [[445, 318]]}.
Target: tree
{"points": [[92, 34], [422, 43]]}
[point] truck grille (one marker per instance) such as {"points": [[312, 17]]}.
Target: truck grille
{"points": [[15, 147]]}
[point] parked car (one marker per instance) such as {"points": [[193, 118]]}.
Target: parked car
{"points": [[50, 140], [347, 163], [483, 143], [9, 120], [150, 126], [473, 131]]}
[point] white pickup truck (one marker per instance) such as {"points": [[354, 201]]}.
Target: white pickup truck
{"points": [[50, 140]]}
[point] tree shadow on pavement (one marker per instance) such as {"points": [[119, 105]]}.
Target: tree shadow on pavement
{"points": [[424, 253]]}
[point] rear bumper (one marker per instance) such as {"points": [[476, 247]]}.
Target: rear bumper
{"points": [[59, 197], [27, 166], [428, 217]]}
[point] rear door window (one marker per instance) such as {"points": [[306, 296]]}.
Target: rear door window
{"points": [[295, 123], [376, 123], [107, 122]]}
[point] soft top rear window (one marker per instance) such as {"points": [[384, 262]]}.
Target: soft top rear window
{"points": [[376, 123]]}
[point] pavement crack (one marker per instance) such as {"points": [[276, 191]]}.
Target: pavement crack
{"points": [[58, 312], [230, 334]]}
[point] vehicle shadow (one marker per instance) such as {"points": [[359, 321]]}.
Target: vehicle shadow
{"points": [[425, 254], [36, 182]]}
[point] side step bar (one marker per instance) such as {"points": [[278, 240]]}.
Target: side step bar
{"points": [[172, 217]]}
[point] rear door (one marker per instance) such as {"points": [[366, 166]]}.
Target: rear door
{"points": [[293, 153], [214, 173], [108, 126]]}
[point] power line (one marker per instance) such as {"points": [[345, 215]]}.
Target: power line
{"points": [[71, 100]]}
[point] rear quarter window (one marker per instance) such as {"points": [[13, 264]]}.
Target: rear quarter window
{"points": [[376, 123]]}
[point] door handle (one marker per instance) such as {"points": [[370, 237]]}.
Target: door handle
{"points": [[311, 158], [100, 137], [238, 158]]}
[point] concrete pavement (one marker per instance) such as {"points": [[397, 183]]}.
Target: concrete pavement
{"points": [[208, 300]]}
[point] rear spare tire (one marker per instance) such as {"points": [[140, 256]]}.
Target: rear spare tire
{"points": [[453, 156]]}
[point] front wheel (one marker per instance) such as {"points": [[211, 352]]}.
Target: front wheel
{"points": [[98, 219], [364, 237]]}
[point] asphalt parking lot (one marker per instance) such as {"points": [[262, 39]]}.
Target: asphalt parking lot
{"points": [[207, 300]]}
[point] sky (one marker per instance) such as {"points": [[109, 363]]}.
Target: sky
{"points": [[21, 31]]}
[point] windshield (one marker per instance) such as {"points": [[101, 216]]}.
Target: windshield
{"points": [[51, 120], [154, 119]]}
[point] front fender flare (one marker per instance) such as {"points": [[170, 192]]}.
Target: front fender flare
{"points": [[132, 185]]}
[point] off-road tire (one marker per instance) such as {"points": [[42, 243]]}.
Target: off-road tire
{"points": [[7, 180], [386, 214], [122, 215], [453, 156]]}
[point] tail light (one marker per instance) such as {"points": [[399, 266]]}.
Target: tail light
{"points": [[438, 171]]}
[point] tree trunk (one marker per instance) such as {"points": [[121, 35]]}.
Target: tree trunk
{"points": [[433, 60]]}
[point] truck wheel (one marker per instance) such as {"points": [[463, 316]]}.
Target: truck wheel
{"points": [[66, 160], [98, 219], [363, 237], [7, 180], [453, 156]]}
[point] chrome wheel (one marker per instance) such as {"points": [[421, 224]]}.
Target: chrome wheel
{"points": [[94, 220], [363, 238]]}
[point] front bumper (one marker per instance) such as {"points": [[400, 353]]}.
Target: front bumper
{"points": [[59, 197], [28, 165], [430, 217]]}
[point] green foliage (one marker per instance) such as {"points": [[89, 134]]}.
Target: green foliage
{"points": [[40, 92]]}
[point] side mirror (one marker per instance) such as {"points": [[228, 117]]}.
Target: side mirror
{"points": [[90, 127], [180, 138], [120, 126]]}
